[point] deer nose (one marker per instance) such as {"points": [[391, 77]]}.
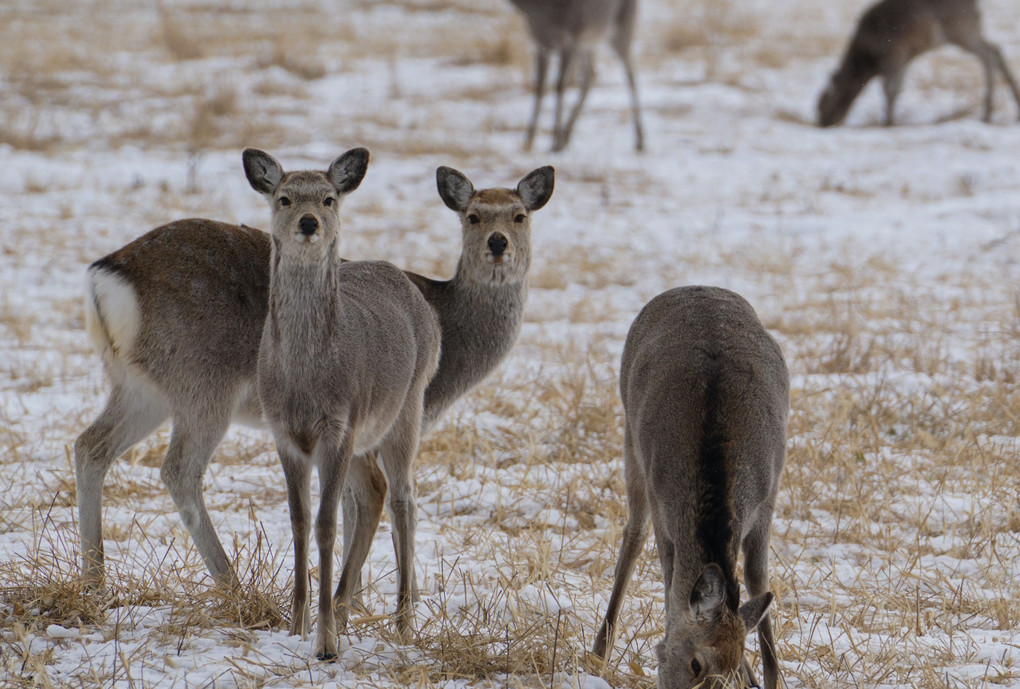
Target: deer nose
{"points": [[497, 244], [308, 225]]}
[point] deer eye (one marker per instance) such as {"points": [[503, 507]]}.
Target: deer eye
{"points": [[328, 201], [474, 219], [284, 201], [695, 667], [519, 218]]}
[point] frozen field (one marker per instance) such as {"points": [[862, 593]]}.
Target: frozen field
{"points": [[885, 261]]}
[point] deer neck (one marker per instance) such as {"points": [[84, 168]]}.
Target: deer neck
{"points": [[689, 560], [480, 324], [304, 304]]}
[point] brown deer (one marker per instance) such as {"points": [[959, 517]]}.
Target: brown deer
{"points": [[571, 29], [890, 34], [178, 315], [705, 393]]}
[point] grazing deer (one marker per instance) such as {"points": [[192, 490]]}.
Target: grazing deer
{"points": [[178, 315], [890, 34], [705, 394], [346, 353], [572, 29]]}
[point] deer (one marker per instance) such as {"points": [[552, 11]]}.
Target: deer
{"points": [[705, 392], [890, 34], [572, 29], [347, 351], [177, 317]]}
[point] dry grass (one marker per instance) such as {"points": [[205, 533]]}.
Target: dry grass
{"points": [[875, 461], [896, 535]]}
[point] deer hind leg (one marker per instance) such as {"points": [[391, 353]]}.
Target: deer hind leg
{"points": [[363, 498], [587, 77], [634, 535], [398, 453], [541, 72], [192, 442], [993, 59], [756, 577], [567, 56], [129, 416], [621, 45]]}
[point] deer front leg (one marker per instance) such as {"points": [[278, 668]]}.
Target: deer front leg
{"points": [[297, 473]]}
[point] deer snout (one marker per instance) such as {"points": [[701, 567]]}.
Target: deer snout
{"points": [[497, 244], [308, 224]]}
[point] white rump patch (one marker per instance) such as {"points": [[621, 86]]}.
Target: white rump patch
{"points": [[112, 317]]}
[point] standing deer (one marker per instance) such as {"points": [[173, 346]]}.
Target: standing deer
{"points": [[346, 353], [890, 34], [705, 394], [480, 311], [178, 316], [572, 29]]}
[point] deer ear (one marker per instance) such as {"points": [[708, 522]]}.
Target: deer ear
{"points": [[455, 189], [347, 171], [536, 187], [708, 595], [262, 170], [753, 611]]}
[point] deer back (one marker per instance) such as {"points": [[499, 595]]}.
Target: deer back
{"points": [[182, 306]]}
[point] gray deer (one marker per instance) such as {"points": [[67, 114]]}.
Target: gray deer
{"points": [[890, 34], [346, 353], [571, 29], [177, 316], [705, 393], [480, 311]]}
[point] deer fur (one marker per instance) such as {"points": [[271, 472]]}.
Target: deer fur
{"points": [[178, 316], [890, 34], [705, 393], [571, 29], [480, 312], [346, 353]]}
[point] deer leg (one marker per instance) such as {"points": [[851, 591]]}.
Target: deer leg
{"points": [[587, 77], [398, 453], [297, 474], [192, 441], [892, 83], [566, 64], [988, 62], [126, 419], [541, 71], [634, 535], [1000, 62], [991, 59], [363, 499], [756, 577], [622, 50], [332, 472]]}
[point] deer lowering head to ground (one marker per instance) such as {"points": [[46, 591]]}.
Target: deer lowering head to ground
{"points": [[178, 316], [705, 394], [346, 352], [890, 34], [571, 29]]}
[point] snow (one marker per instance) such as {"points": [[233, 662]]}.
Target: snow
{"points": [[885, 260]]}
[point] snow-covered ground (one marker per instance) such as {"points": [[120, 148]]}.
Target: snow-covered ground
{"points": [[886, 262]]}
